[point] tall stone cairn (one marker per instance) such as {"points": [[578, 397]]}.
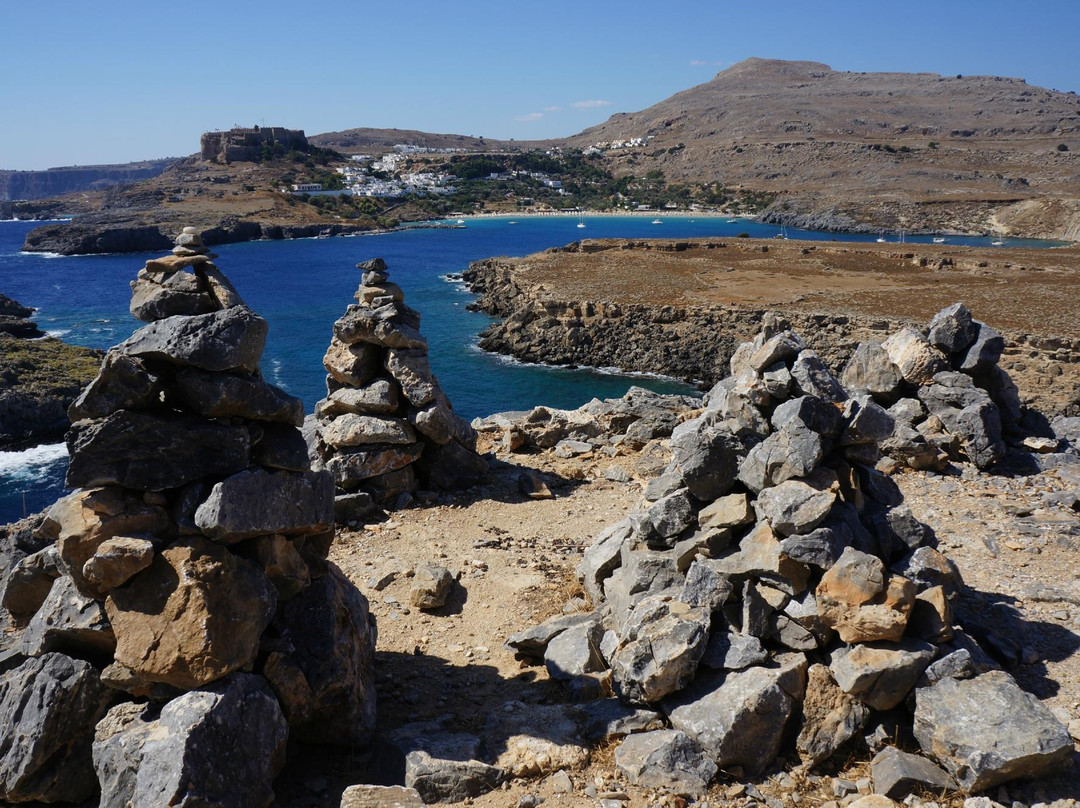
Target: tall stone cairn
{"points": [[182, 621], [773, 585], [386, 427]]}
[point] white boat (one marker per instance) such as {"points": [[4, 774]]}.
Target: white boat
{"points": [[997, 243], [939, 239], [657, 221], [881, 240], [732, 221], [460, 221], [581, 220]]}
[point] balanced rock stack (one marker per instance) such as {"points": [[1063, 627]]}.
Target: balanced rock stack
{"points": [[386, 427], [182, 621], [949, 396], [775, 583]]}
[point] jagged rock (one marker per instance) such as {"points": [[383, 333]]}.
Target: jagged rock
{"points": [[116, 560], [730, 511], [575, 651], [48, 708], [354, 507], [283, 564], [602, 558], [123, 383], [409, 367], [438, 422], [797, 506], [707, 457], [813, 378], [523, 751], [444, 766], [931, 616], [662, 645], [667, 759], [704, 587], [760, 555], [533, 641], [831, 717], [871, 369], [379, 397], [739, 717], [331, 636], [352, 469], [984, 352], [359, 430], [279, 446], [733, 651], [232, 339], [364, 796], [605, 719], [222, 745], [986, 731], [153, 452], [897, 774], [26, 585], [352, 364], [914, 357], [956, 665], [881, 674], [927, 567], [431, 586], [867, 422], [952, 329], [259, 502], [969, 413], [793, 451], [780, 348], [665, 519], [83, 520], [193, 616], [645, 570], [861, 601], [227, 395], [70, 623]]}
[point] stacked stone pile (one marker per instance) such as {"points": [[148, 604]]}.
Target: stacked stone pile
{"points": [[774, 586], [386, 427], [180, 621], [946, 391]]}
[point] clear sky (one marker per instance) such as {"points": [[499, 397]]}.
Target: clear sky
{"points": [[116, 80]]}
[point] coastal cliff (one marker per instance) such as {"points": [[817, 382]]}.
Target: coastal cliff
{"points": [[67, 179], [589, 304]]}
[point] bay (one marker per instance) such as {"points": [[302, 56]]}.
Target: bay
{"points": [[302, 286]]}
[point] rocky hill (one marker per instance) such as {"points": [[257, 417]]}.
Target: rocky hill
{"points": [[868, 150], [16, 185], [359, 141]]}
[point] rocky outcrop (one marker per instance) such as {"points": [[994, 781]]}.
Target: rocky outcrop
{"points": [[386, 427], [64, 180], [188, 568]]}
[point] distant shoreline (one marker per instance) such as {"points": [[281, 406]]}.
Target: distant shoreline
{"points": [[654, 214]]}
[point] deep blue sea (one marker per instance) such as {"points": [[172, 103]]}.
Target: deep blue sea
{"points": [[302, 286]]}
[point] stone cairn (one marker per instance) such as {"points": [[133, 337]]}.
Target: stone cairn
{"points": [[386, 426], [774, 586], [180, 621]]}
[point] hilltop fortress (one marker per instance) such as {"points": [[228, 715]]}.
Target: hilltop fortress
{"points": [[247, 144]]}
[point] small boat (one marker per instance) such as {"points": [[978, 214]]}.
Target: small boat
{"points": [[460, 221], [657, 221], [997, 243], [732, 221], [881, 240], [513, 221], [939, 239]]}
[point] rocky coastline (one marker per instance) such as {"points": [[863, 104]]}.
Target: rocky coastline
{"points": [[542, 323]]}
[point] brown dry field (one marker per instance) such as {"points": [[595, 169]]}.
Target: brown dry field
{"points": [[1025, 290]]}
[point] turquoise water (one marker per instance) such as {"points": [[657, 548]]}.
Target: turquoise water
{"points": [[302, 286]]}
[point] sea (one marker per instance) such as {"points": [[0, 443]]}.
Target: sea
{"points": [[300, 287]]}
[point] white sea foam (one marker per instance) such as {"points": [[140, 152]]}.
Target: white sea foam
{"points": [[57, 332], [31, 465], [275, 371]]}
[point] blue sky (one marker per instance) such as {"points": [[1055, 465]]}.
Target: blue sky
{"points": [[110, 81]]}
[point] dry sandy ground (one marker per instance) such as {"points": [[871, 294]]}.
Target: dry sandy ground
{"points": [[516, 557]]}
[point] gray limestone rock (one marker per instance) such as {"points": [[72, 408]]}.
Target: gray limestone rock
{"points": [[451, 466], [740, 717], [123, 383], [279, 446], [70, 623], [797, 505], [229, 395], [259, 502], [576, 651], [352, 364], [665, 758], [706, 456], [48, 708], [730, 650], [533, 641], [365, 796], [780, 348], [813, 378], [663, 642], [867, 422], [602, 558], [665, 519], [610, 718], [820, 547], [793, 451], [986, 731], [353, 468], [222, 745], [881, 674], [351, 430], [704, 587], [871, 370], [232, 339], [897, 773], [410, 368], [984, 352], [153, 452], [816, 415], [952, 330], [644, 570], [915, 358], [379, 397]]}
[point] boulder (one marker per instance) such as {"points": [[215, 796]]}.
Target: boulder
{"points": [[831, 717], [984, 353], [379, 397], [328, 656], [351, 469], [707, 458], [575, 651], [797, 506], [870, 369], [952, 330], [667, 759], [116, 560], [533, 641], [861, 601], [739, 718], [881, 674], [915, 358], [48, 708], [986, 731], [813, 378], [610, 718], [352, 364], [410, 368], [193, 616], [232, 339], [431, 585], [259, 502], [25, 585], [358, 430], [68, 622], [222, 745], [897, 773], [661, 649], [443, 766], [230, 395], [793, 451], [123, 383], [148, 452]]}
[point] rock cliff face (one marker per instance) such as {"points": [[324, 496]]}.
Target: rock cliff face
{"points": [[57, 181]]}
